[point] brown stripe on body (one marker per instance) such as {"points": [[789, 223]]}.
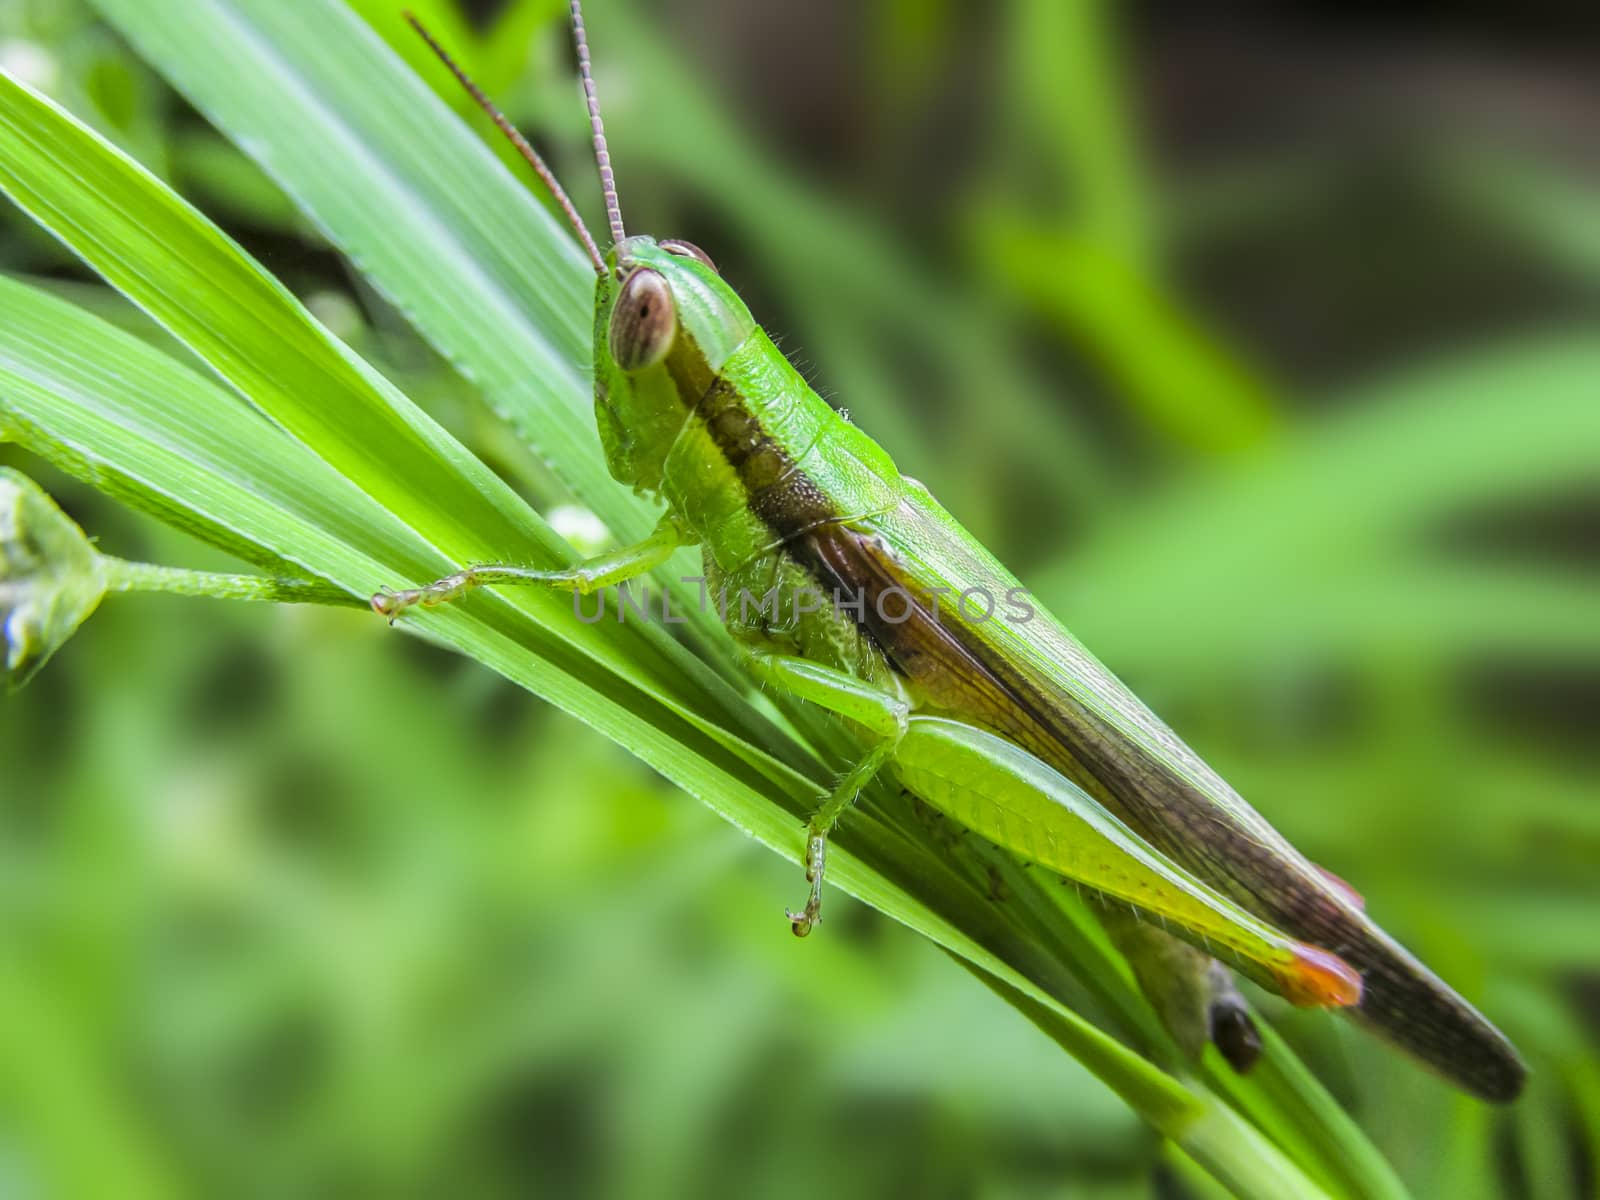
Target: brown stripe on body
{"points": [[776, 489]]}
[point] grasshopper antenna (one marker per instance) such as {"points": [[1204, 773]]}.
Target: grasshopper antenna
{"points": [[602, 156], [540, 167]]}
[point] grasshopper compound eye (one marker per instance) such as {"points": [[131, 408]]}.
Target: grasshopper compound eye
{"points": [[688, 250], [643, 322]]}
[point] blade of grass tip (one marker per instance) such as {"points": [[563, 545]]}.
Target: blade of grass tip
{"points": [[51, 578]]}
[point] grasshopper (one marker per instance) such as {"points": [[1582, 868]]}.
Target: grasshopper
{"points": [[966, 692]]}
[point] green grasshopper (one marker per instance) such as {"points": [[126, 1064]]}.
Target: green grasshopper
{"points": [[967, 693]]}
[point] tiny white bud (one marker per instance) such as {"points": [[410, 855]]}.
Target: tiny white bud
{"points": [[30, 63], [586, 532], [337, 312]]}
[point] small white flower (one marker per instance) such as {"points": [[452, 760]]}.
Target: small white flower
{"points": [[586, 532]]}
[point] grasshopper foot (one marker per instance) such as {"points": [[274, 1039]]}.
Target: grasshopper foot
{"points": [[806, 919], [390, 605], [1234, 1032]]}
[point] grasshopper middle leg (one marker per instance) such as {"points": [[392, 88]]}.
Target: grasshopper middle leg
{"points": [[884, 714]]}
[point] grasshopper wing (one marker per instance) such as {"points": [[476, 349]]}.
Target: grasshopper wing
{"points": [[1000, 661]]}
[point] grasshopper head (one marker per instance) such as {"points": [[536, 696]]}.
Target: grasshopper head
{"points": [[664, 324]]}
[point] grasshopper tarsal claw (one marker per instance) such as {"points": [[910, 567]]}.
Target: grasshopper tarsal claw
{"points": [[804, 921], [391, 604], [385, 604]]}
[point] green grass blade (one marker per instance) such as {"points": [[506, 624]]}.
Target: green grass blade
{"points": [[108, 407], [1507, 424], [348, 482], [193, 455], [236, 317], [421, 206], [419, 203]]}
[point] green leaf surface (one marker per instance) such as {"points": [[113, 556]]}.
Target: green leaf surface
{"points": [[1378, 481], [424, 210], [307, 461], [419, 204]]}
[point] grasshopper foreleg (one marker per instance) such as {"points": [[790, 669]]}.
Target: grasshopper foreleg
{"points": [[616, 566], [884, 714]]}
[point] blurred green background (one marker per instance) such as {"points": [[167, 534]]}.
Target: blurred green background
{"points": [[1249, 335]]}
